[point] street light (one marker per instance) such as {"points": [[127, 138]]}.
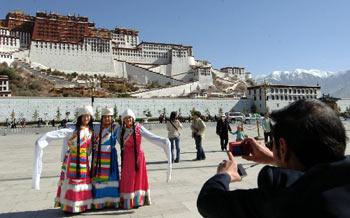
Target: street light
{"points": [[92, 85]]}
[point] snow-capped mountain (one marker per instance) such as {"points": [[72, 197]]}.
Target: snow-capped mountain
{"points": [[336, 84]]}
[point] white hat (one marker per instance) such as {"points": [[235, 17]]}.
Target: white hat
{"points": [[87, 109], [107, 111], [129, 113]]}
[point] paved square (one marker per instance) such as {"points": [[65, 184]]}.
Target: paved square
{"points": [[174, 199]]}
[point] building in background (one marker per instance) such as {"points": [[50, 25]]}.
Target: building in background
{"points": [[237, 72], [267, 97], [4, 86]]}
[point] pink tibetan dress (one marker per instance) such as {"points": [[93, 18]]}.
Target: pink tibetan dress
{"points": [[134, 189], [74, 187]]}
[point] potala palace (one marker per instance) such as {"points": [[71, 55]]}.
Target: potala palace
{"points": [[74, 44]]}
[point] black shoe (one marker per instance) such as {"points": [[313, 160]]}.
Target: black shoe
{"points": [[176, 161]]}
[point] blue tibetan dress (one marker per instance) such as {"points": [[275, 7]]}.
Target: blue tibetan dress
{"points": [[105, 171]]}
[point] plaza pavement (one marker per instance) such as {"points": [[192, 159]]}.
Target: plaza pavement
{"points": [[174, 199]]}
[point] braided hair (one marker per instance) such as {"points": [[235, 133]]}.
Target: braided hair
{"points": [[77, 127], [122, 144]]}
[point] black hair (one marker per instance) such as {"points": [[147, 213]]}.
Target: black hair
{"points": [[96, 170], [173, 115], [77, 128], [312, 131], [197, 113]]}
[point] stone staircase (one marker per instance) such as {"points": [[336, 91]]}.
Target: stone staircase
{"points": [[144, 76]]}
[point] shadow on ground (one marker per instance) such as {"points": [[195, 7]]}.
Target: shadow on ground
{"points": [[49, 213]]}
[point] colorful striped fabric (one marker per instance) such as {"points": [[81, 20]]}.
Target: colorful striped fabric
{"points": [[105, 181], [75, 194]]}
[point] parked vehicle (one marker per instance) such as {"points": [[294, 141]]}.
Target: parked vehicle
{"points": [[252, 118], [235, 116]]}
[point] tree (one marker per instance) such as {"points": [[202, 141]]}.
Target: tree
{"points": [[164, 112], [192, 111], [35, 115], [67, 115], [207, 112], [221, 111], [179, 113], [13, 115], [58, 114], [98, 114], [115, 110]]}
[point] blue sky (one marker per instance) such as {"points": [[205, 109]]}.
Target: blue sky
{"points": [[260, 35]]}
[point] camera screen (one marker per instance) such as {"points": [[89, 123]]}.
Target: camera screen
{"points": [[237, 150]]}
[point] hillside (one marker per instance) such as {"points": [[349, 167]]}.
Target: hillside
{"points": [[29, 82]]}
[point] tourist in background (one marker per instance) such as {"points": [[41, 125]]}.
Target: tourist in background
{"points": [[173, 127], [222, 129], [266, 125], [74, 188], [198, 128], [240, 135], [104, 167], [134, 188]]}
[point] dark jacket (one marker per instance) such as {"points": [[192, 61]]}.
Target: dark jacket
{"points": [[322, 191], [222, 127]]}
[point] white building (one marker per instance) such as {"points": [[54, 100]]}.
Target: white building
{"points": [[6, 57], [4, 86], [8, 42], [236, 72], [267, 97]]}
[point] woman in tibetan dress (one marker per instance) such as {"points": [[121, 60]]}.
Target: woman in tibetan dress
{"points": [[74, 193], [104, 167], [134, 187]]}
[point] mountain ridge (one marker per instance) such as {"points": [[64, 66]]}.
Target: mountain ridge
{"points": [[333, 83]]}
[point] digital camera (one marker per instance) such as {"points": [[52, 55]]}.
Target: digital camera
{"points": [[239, 148]]}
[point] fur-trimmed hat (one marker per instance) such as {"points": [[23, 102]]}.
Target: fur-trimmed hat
{"points": [[87, 109], [107, 111], [129, 113]]}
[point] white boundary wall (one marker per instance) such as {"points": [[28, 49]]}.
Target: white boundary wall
{"points": [[47, 107]]}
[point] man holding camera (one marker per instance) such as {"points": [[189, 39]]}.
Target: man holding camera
{"points": [[311, 177]]}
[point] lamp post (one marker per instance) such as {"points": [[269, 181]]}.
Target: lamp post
{"points": [[92, 85]]}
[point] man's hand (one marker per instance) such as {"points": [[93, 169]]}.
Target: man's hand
{"points": [[230, 167], [258, 152]]}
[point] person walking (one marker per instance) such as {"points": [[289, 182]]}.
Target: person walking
{"points": [[198, 128], [173, 127], [222, 129], [266, 125]]}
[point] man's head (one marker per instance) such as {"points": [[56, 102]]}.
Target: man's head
{"points": [[308, 131], [196, 114]]}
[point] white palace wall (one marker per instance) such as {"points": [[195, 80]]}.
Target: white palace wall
{"points": [[69, 61]]}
